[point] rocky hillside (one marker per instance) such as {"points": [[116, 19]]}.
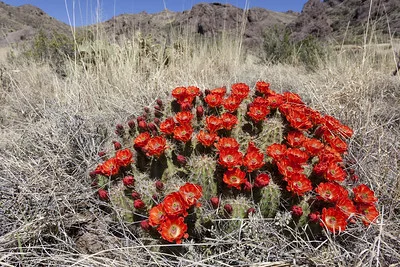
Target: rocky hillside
{"points": [[346, 18], [23, 22], [203, 19]]}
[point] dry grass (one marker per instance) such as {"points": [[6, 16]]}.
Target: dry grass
{"points": [[52, 129]]}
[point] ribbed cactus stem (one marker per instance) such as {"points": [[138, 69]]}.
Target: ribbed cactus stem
{"points": [[270, 200]]}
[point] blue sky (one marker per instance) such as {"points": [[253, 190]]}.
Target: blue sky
{"points": [[85, 10]]}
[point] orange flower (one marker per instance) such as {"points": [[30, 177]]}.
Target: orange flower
{"points": [[184, 117], [231, 103], [193, 91], [258, 113], [228, 121], [213, 100], [173, 229], [227, 143], [335, 173], [328, 192], [229, 158], [288, 168], [369, 213], [205, 138], [299, 184], [183, 133], [240, 90], [253, 159], [156, 215], [345, 131], [234, 178], [124, 157], [109, 167], [156, 146], [167, 126], [295, 138], [296, 156], [141, 140], [363, 194], [299, 120], [276, 151], [190, 193], [333, 219], [338, 144], [213, 123], [174, 205]]}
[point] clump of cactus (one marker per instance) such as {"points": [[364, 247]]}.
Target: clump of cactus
{"points": [[215, 157]]}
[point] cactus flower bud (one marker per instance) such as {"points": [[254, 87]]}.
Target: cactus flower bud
{"points": [[119, 127], [314, 216], [152, 126], [155, 198], [199, 111], [251, 211], [135, 195], [181, 159], [156, 121], [139, 204], [207, 91], [214, 202], [159, 102], [146, 109], [142, 125], [117, 145], [103, 194], [354, 177], [160, 185], [139, 119], [128, 181], [145, 225], [101, 153], [186, 106], [131, 124], [297, 211], [247, 186], [228, 209]]}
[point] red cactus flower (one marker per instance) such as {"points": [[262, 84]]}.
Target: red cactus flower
{"points": [[313, 146], [230, 158], [263, 88], [228, 121], [292, 98], [213, 100], [240, 90], [333, 219], [346, 206], [124, 157], [254, 159], [231, 103], [103, 194], [329, 192], [128, 181], [190, 193], [288, 168], [183, 133], [299, 185], [262, 180], [213, 123], [174, 205], [205, 138], [258, 113], [363, 194], [335, 173], [173, 229], [274, 101], [369, 213], [156, 146], [297, 211], [234, 178], [193, 91], [227, 143], [338, 144], [221, 91], [141, 140], [184, 117], [156, 215], [296, 156], [110, 167], [276, 151], [214, 202], [139, 204], [295, 138], [167, 126]]}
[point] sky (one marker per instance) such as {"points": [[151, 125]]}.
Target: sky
{"points": [[84, 12]]}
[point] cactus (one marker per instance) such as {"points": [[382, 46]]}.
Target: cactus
{"points": [[269, 200], [202, 171]]}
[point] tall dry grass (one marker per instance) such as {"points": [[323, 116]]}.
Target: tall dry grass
{"points": [[53, 127]]}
